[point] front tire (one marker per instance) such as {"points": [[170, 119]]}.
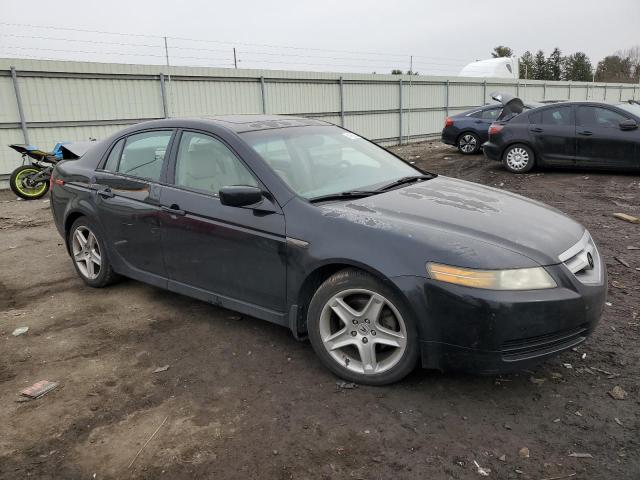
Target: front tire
{"points": [[89, 255], [361, 330], [468, 143], [20, 185], [518, 158]]}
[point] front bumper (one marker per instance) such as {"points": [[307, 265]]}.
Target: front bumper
{"points": [[490, 332], [491, 151]]}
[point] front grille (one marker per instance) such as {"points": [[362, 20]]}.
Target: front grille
{"points": [[531, 347], [583, 260]]}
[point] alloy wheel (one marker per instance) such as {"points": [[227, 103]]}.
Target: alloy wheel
{"points": [[363, 331], [517, 158], [468, 143], [86, 252]]}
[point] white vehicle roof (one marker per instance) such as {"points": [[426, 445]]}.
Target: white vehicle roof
{"points": [[504, 67]]}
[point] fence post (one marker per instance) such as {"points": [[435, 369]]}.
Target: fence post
{"points": [[16, 88], [569, 91], [341, 102], [163, 92], [518, 88], [620, 92], [605, 92], [484, 92], [400, 120], [263, 92], [446, 96], [544, 91]]}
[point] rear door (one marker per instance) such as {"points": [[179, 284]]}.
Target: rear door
{"points": [[483, 119], [601, 142], [553, 134], [229, 255], [128, 202]]}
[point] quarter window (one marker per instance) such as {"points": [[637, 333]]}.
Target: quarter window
{"points": [[111, 165], [144, 153], [206, 164], [598, 117]]}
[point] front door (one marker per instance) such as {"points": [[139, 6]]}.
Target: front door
{"points": [[601, 142], [552, 131], [229, 255], [128, 202]]}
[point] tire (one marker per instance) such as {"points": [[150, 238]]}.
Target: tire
{"points": [[361, 329], [468, 143], [91, 263], [18, 186], [518, 158]]}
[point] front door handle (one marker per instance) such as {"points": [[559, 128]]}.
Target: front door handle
{"points": [[106, 193], [537, 129], [586, 133], [174, 210]]}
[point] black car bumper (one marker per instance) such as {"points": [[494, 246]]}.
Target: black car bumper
{"points": [[450, 135], [491, 332], [491, 151]]}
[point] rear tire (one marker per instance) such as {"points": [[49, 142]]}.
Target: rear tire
{"points": [[518, 158], [89, 254], [468, 143], [19, 186], [361, 330]]}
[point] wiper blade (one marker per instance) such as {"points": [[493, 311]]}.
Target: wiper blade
{"points": [[403, 181], [344, 195]]}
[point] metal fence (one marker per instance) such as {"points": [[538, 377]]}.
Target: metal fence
{"points": [[43, 102]]}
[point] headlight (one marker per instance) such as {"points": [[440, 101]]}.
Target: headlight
{"points": [[515, 279]]}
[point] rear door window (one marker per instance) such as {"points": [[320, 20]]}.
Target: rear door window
{"points": [[598, 117], [143, 154], [491, 114], [560, 116]]}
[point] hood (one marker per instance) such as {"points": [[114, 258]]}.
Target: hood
{"points": [[512, 105], [449, 210]]}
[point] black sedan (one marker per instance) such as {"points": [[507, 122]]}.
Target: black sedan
{"points": [[569, 134], [304, 224], [470, 129]]}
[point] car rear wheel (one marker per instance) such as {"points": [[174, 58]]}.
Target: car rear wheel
{"points": [[468, 143], [361, 330], [518, 159], [89, 254]]}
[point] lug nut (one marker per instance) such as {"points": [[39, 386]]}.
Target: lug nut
{"points": [[366, 320], [353, 333], [365, 340], [355, 322], [373, 332]]}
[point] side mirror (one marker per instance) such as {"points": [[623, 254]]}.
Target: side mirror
{"points": [[240, 195], [628, 124]]}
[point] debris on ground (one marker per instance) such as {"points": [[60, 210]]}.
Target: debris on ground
{"points": [[537, 381], [38, 389], [623, 261], [20, 331], [633, 247], [524, 452], [482, 471], [618, 393], [502, 458], [341, 385], [617, 420], [164, 368], [626, 218], [581, 455]]}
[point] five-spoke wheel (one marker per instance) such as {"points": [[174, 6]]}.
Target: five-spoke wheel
{"points": [[468, 143], [89, 255]]}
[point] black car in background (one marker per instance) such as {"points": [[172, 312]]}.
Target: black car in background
{"points": [[469, 130], [569, 134], [309, 226]]}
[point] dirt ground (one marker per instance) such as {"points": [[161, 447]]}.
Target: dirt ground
{"points": [[242, 399]]}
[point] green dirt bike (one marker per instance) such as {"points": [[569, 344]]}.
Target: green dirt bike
{"points": [[30, 181]]}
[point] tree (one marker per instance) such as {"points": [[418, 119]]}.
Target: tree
{"points": [[501, 51], [578, 68], [540, 71], [526, 65], [396, 71], [614, 68], [555, 64]]}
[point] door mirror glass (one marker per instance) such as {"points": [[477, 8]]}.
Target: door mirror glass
{"points": [[240, 195], [628, 124]]}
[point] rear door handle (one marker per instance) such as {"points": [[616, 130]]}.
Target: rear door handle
{"points": [[174, 210], [537, 129], [106, 193], [586, 133]]}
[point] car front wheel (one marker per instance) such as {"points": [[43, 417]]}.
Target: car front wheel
{"points": [[468, 143], [361, 330], [518, 159]]}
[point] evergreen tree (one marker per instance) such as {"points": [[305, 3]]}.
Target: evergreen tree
{"points": [[555, 63], [578, 68], [501, 51], [540, 71], [526, 65]]}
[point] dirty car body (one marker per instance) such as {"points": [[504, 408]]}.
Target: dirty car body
{"points": [[414, 236]]}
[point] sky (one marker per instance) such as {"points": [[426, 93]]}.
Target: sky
{"points": [[331, 35]]}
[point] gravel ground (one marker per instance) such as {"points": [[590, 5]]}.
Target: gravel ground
{"points": [[242, 399]]}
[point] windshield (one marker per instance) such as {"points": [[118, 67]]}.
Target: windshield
{"points": [[632, 108], [326, 160]]}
